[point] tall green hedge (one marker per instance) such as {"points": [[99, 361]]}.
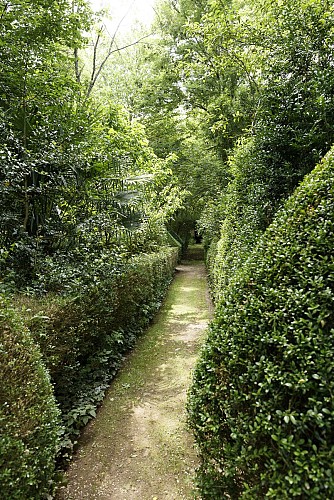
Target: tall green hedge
{"points": [[261, 404], [29, 418]]}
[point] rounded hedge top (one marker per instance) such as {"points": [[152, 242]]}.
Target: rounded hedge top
{"points": [[28, 414], [262, 401]]}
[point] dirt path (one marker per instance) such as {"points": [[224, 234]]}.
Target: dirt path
{"points": [[138, 446]]}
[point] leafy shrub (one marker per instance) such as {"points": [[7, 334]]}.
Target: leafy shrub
{"points": [[85, 334], [29, 424], [261, 403], [242, 214]]}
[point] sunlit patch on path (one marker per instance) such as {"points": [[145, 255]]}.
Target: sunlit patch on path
{"points": [[138, 447]]}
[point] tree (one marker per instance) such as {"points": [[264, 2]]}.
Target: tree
{"points": [[37, 105]]}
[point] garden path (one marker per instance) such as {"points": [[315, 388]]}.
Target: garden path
{"points": [[138, 447]]}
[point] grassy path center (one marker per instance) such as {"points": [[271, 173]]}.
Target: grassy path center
{"points": [[138, 446]]}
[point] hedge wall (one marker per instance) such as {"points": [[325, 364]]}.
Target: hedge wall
{"points": [[29, 418], [261, 404], [84, 336]]}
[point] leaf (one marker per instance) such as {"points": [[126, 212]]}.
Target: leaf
{"points": [[293, 420]]}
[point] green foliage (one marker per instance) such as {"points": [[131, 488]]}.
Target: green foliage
{"points": [[240, 215], [294, 124], [81, 194], [292, 129], [156, 90], [124, 198], [261, 404], [85, 334], [216, 72], [237, 101], [29, 418], [260, 71], [41, 124], [75, 171]]}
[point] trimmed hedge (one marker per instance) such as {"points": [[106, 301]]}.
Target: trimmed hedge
{"points": [[29, 418], [261, 404], [244, 211], [85, 336]]}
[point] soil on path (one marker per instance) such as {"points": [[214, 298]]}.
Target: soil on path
{"points": [[138, 447]]}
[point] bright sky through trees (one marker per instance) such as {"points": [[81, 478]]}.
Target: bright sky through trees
{"points": [[133, 10]]}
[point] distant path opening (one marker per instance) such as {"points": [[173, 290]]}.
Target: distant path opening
{"points": [[138, 447]]}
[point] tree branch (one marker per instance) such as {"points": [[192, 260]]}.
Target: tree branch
{"points": [[4, 10], [173, 3], [96, 44], [76, 66], [96, 73]]}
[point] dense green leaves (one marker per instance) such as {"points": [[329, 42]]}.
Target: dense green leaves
{"points": [[292, 127], [261, 404], [85, 334], [81, 193], [229, 106], [39, 129], [30, 424], [67, 162]]}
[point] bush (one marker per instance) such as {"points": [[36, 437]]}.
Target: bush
{"points": [[242, 214], [29, 424], [261, 404], [85, 335]]}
